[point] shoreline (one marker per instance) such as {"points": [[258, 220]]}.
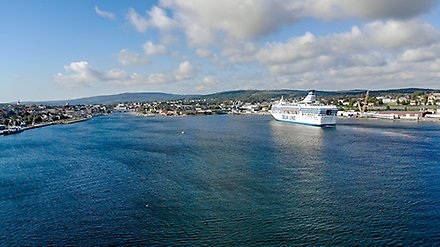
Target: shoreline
{"points": [[78, 120], [148, 115], [424, 119], [59, 122]]}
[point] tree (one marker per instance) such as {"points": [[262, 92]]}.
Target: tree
{"points": [[351, 102], [38, 119], [425, 99]]}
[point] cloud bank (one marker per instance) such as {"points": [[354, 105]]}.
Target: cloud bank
{"points": [[82, 74], [203, 21], [391, 45]]}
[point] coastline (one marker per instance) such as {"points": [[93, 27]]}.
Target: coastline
{"points": [[422, 119], [137, 114], [59, 122], [78, 120]]}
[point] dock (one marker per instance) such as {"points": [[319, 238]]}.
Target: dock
{"points": [[69, 121]]}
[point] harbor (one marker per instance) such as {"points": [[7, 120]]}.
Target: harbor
{"points": [[145, 182], [16, 118], [220, 123]]}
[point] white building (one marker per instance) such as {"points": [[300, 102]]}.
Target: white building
{"points": [[389, 101]]}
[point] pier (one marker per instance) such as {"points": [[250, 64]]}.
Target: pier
{"points": [[16, 130]]}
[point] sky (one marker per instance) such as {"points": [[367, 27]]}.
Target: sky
{"points": [[68, 49]]}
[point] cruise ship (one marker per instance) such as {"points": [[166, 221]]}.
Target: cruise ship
{"points": [[308, 111]]}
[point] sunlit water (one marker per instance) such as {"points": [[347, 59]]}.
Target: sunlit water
{"points": [[227, 180]]}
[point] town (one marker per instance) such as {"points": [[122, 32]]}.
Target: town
{"points": [[16, 118], [187, 107], [413, 106], [420, 105]]}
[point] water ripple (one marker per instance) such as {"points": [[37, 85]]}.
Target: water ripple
{"points": [[230, 180]]}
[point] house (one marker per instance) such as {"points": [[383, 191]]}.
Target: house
{"points": [[389, 101], [406, 114]]}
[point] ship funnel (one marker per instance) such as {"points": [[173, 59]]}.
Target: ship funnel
{"points": [[311, 97]]}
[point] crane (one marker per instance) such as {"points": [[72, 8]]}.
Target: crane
{"points": [[359, 106], [366, 102]]}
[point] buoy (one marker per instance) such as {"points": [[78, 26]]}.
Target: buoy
{"points": [[146, 205], [183, 132]]}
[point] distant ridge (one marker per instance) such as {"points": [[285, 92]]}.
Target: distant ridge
{"points": [[113, 99], [243, 95], [258, 95]]}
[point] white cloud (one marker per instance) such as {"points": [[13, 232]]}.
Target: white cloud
{"points": [[435, 67], [201, 19], [206, 22], [240, 52], [362, 45], [399, 34], [140, 23], [232, 52], [394, 46], [152, 49], [368, 9], [380, 54], [185, 71], [156, 17], [127, 57], [296, 48], [81, 74], [313, 73], [159, 19], [206, 84], [203, 53], [421, 54], [115, 75], [105, 14]]}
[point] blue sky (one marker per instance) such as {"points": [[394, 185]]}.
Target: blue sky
{"points": [[69, 49]]}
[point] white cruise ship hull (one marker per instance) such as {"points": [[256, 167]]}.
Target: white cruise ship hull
{"points": [[308, 111], [314, 120]]}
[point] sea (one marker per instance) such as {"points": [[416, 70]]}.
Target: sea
{"points": [[221, 180]]}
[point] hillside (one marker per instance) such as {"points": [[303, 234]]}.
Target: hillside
{"points": [[242, 95], [114, 99], [259, 95]]}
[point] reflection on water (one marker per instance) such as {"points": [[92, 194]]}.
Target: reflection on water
{"points": [[302, 147], [308, 194], [303, 138]]}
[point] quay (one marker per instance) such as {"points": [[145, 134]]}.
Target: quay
{"points": [[393, 115], [38, 126], [16, 130], [76, 120]]}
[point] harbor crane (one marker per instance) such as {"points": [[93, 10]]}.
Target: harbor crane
{"points": [[366, 102], [364, 106]]}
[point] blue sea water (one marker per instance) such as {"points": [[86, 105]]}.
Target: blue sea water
{"points": [[227, 180]]}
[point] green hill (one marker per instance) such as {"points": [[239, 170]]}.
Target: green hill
{"points": [[238, 95]]}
